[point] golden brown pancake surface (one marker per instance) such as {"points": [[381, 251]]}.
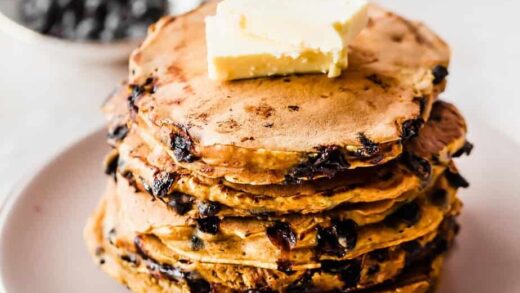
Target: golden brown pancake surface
{"points": [[152, 266], [269, 126], [394, 181]]}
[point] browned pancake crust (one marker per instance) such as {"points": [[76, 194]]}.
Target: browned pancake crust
{"points": [[258, 131], [152, 170], [147, 266]]}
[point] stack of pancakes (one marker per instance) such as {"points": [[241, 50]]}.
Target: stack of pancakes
{"points": [[285, 184]]}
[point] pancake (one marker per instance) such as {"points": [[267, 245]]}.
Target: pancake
{"points": [[268, 130], [145, 265], [178, 209], [439, 140], [301, 240]]}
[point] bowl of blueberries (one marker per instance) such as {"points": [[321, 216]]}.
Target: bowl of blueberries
{"points": [[92, 30]]}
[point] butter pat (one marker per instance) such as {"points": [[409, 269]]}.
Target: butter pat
{"points": [[252, 38], [234, 54], [328, 25]]}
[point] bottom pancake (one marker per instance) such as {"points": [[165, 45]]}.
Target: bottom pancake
{"points": [[143, 265]]}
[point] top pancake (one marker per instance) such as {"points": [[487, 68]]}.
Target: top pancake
{"points": [[276, 123]]}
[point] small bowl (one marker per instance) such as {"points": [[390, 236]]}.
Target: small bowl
{"points": [[88, 51]]}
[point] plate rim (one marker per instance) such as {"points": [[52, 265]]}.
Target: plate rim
{"points": [[28, 177]]}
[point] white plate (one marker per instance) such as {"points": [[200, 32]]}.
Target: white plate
{"points": [[42, 250]]}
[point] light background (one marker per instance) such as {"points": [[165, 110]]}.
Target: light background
{"points": [[48, 101]]}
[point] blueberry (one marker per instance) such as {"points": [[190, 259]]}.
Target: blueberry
{"points": [[209, 225], [346, 232], [328, 243], [87, 29], [162, 184], [439, 73], [409, 214], [410, 128], [282, 235], [197, 243], [103, 20], [209, 208], [369, 149], [182, 203]]}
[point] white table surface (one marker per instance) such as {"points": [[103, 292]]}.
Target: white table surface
{"points": [[48, 101]]}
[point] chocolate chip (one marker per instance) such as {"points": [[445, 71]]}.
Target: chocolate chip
{"points": [[199, 285], [285, 266], [351, 274], [439, 73], [413, 251], [162, 183], [132, 108], [196, 243], [369, 149], [419, 166], [379, 255], [332, 266], [182, 148], [410, 213], [182, 203], [410, 128], [209, 208], [132, 259], [209, 225], [111, 165], [157, 269], [327, 162], [456, 180], [147, 83], [118, 133], [439, 197], [294, 108], [438, 246], [167, 271], [138, 91], [466, 149], [281, 235], [346, 232], [373, 269], [412, 247], [328, 243]]}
